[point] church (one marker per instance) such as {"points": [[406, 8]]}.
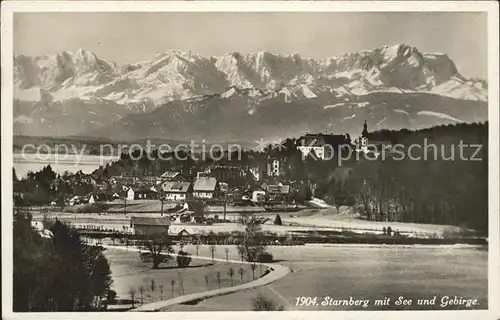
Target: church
{"points": [[362, 144]]}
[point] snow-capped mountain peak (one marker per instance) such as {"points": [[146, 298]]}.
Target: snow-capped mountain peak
{"points": [[67, 78]]}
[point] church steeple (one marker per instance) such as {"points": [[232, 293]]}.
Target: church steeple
{"points": [[364, 134]]}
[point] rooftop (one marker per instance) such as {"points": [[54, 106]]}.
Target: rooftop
{"points": [[319, 139], [176, 186], [205, 184]]}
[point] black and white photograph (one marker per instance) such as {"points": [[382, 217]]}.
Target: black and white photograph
{"points": [[279, 158]]}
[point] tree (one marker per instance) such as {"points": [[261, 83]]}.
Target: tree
{"points": [[251, 244], [39, 284], [262, 303], [241, 272], [183, 259], [111, 299], [152, 286], [172, 285], [141, 290], [231, 274], [197, 245], [277, 220], [213, 247], [226, 249], [181, 282], [198, 207], [161, 292], [253, 266], [218, 277], [131, 292], [159, 248]]}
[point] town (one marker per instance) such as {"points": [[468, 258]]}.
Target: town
{"points": [[284, 178]]}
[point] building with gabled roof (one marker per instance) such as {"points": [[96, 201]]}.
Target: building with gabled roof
{"points": [[140, 193], [205, 188], [97, 198], [322, 146], [176, 190], [150, 225]]}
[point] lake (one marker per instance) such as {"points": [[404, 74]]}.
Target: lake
{"points": [[23, 163]]}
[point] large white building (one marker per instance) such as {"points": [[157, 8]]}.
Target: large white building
{"points": [[321, 146]]}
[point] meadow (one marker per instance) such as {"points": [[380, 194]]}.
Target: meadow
{"points": [[201, 275], [367, 272]]}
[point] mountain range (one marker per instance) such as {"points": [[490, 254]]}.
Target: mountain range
{"points": [[180, 95]]}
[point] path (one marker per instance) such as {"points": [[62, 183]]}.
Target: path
{"points": [[277, 272]]}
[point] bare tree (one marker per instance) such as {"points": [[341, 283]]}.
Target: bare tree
{"points": [[206, 280], [231, 274], [141, 290], [131, 292], [161, 291], [181, 282], [218, 277], [226, 249], [252, 244], [241, 272], [213, 247], [172, 284], [253, 266], [152, 286], [159, 248]]}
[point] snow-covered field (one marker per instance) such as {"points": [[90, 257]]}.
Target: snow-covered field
{"points": [[367, 273]]}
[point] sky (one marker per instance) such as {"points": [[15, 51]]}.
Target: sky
{"points": [[127, 37]]}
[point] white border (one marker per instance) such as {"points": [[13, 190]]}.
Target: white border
{"points": [[490, 7]]}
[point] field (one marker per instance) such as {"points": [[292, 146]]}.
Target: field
{"points": [[368, 273], [129, 272]]}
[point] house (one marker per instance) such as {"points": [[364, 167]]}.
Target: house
{"points": [[256, 194], [97, 198], [140, 193], [322, 146], [172, 176], [149, 225], [185, 217], [174, 190], [274, 167], [75, 200], [284, 192], [224, 187], [234, 175], [273, 192], [205, 188], [183, 233]]}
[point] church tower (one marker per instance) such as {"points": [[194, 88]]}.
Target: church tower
{"points": [[364, 136], [365, 130]]}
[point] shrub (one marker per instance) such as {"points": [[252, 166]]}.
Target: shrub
{"points": [[265, 257], [277, 220], [183, 259], [262, 303]]}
